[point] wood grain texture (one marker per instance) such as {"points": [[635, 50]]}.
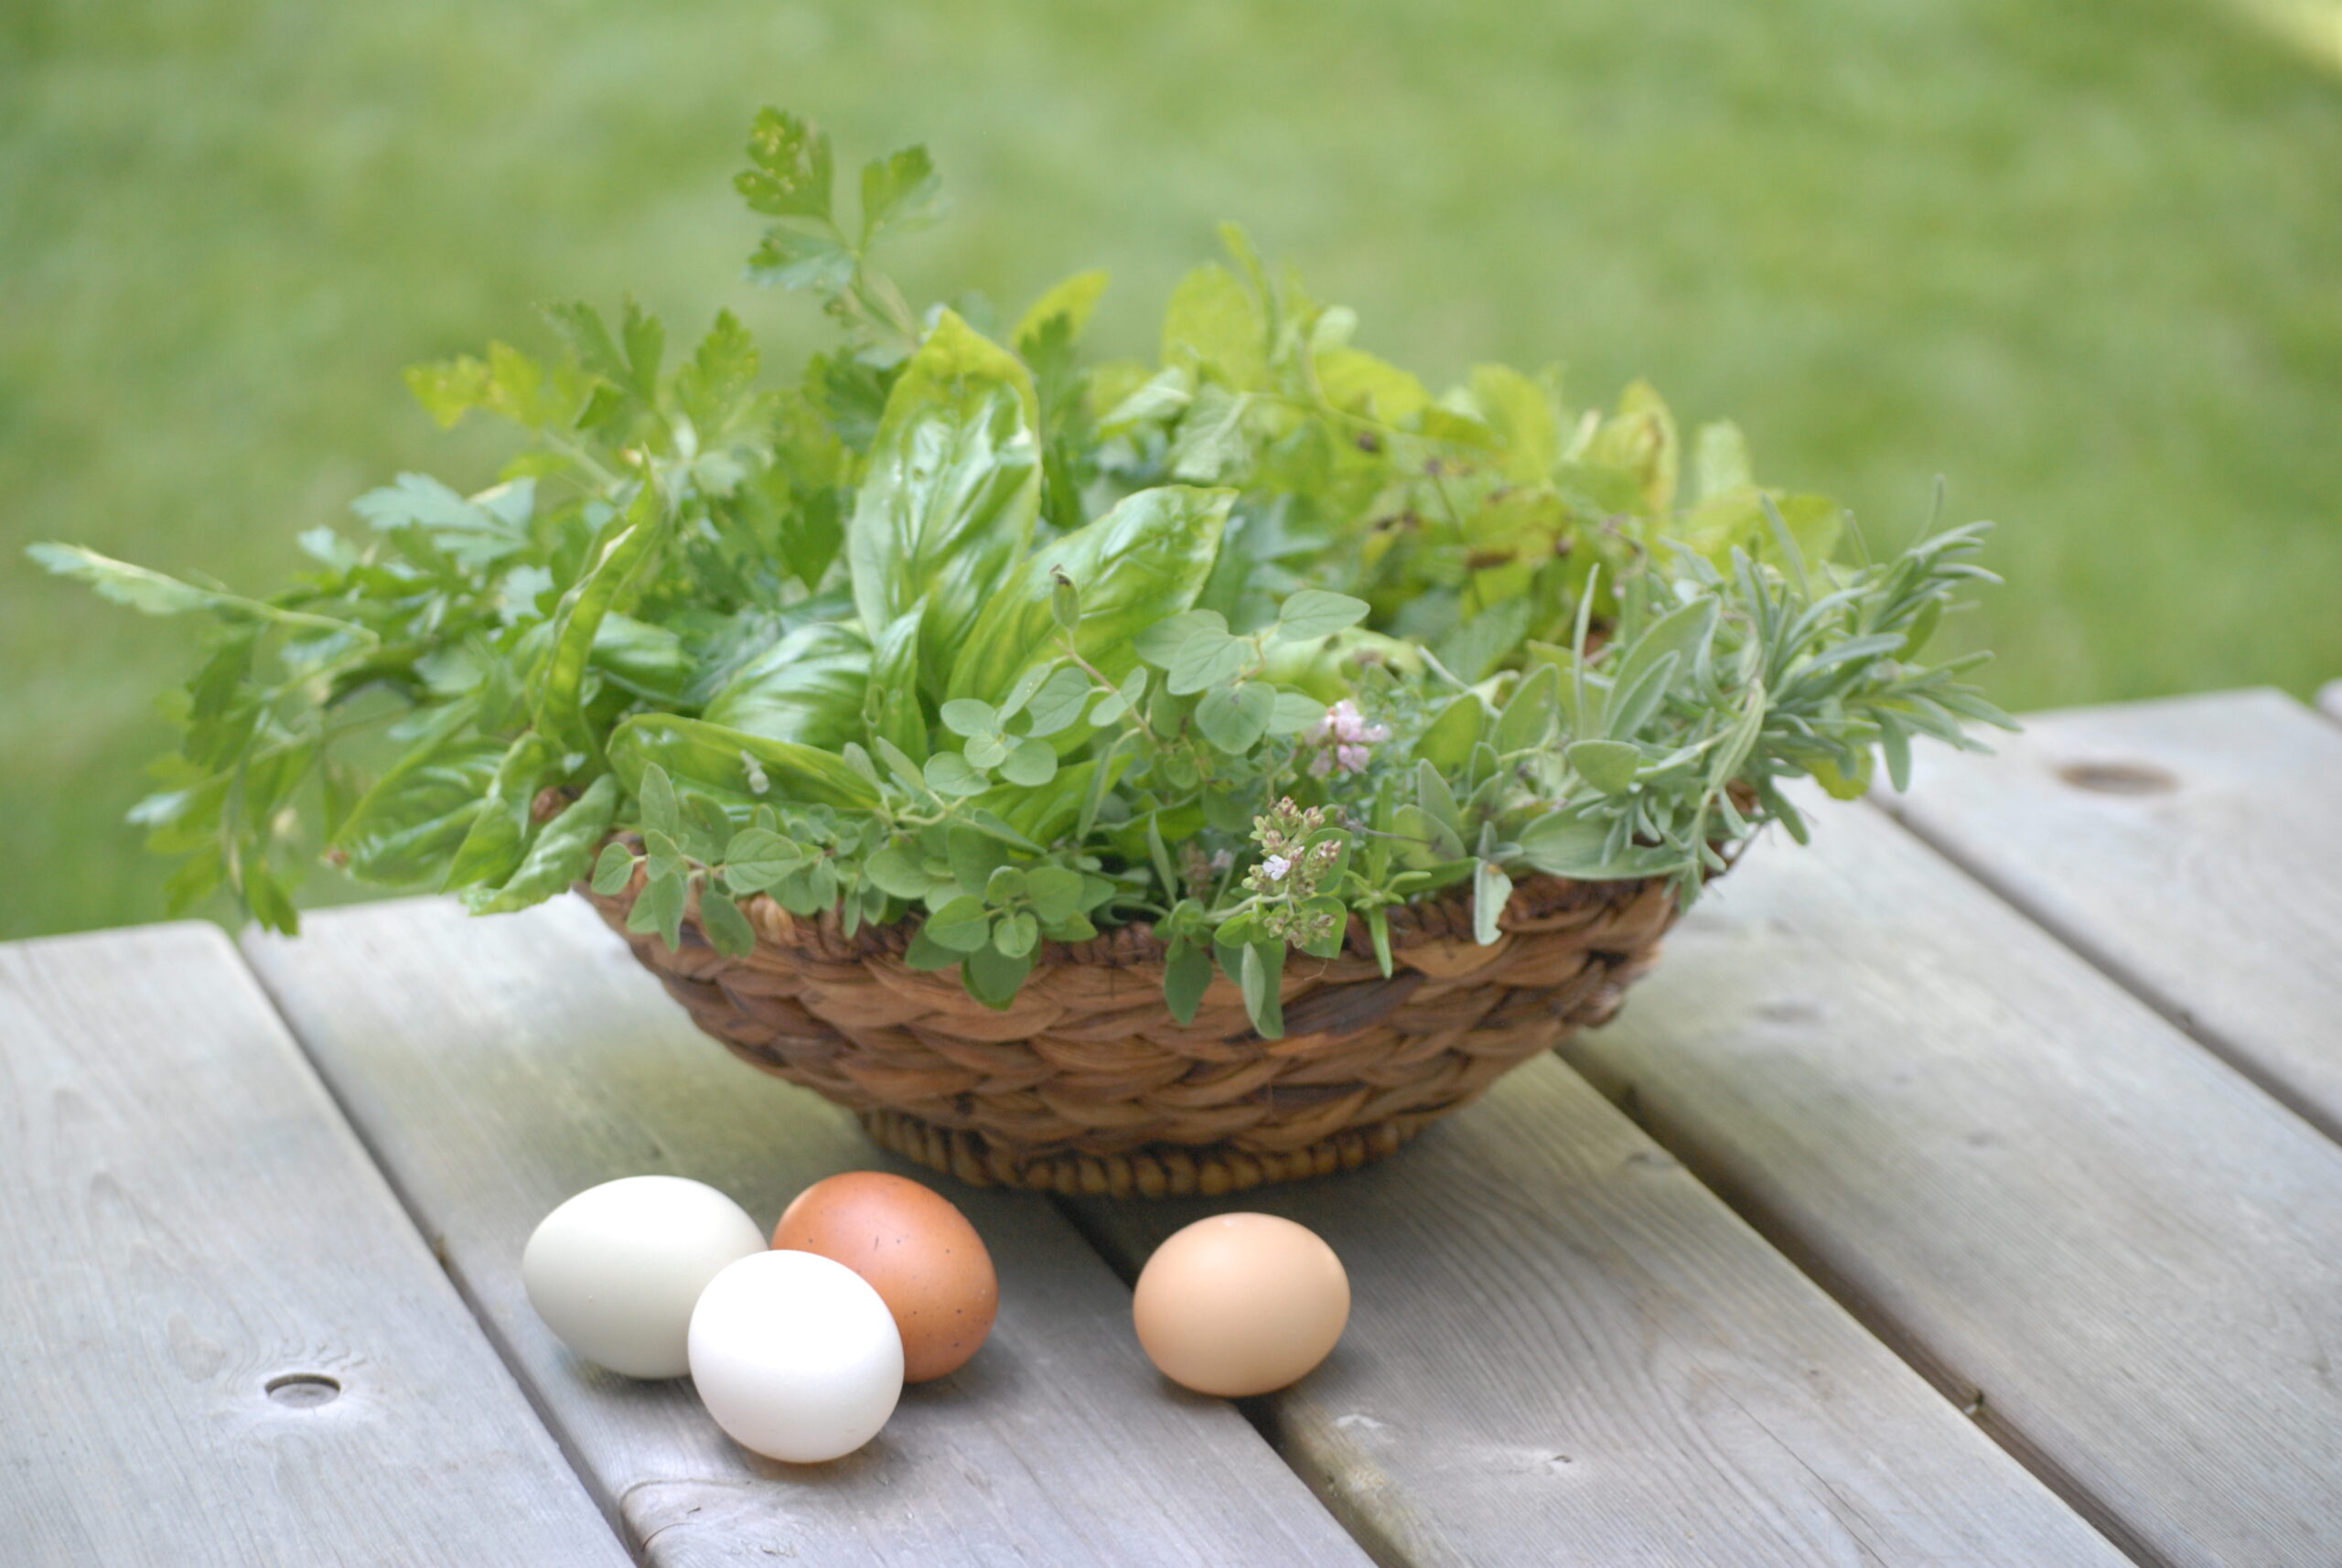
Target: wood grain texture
{"points": [[2122, 1253], [1563, 1350], [2190, 848], [188, 1219], [496, 1067]]}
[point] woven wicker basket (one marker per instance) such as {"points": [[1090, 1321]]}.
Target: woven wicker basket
{"points": [[1087, 1084]]}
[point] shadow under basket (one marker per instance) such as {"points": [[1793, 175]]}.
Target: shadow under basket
{"points": [[1086, 1084]]}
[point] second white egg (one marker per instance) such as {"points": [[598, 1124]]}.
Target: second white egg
{"points": [[796, 1356]]}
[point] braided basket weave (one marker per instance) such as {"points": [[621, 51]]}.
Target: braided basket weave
{"points": [[1086, 1084]]}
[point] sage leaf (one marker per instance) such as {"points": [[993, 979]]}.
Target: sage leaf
{"points": [[1608, 764], [1491, 889]]}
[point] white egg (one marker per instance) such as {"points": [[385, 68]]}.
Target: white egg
{"points": [[796, 1356], [616, 1271]]}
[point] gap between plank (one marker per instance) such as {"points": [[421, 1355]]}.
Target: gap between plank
{"points": [[1963, 1394], [2115, 970], [612, 1514]]}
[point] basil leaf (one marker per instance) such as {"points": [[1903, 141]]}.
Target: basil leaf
{"points": [[808, 687], [625, 545], [646, 659], [500, 833], [948, 506], [1041, 814], [730, 763], [891, 709], [561, 857], [1160, 643], [404, 832], [1142, 563]]}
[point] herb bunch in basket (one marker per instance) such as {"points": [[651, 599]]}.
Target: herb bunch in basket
{"points": [[958, 630]]}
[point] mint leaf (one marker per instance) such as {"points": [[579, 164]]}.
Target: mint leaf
{"points": [[1234, 718], [1314, 613], [1207, 659], [1186, 975], [949, 774], [728, 930], [656, 795], [757, 858], [963, 925], [613, 870], [968, 716], [1032, 764]]}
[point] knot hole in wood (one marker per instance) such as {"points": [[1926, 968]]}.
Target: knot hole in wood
{"points": [[2118, 778], [303, 1391]]}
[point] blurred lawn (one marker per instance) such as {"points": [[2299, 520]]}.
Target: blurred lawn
{"points": [[2081, 257]]}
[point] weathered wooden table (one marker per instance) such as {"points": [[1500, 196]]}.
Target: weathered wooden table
{"points": [[1964, 1189]]}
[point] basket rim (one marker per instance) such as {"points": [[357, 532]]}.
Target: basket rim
{"points": [[1442, 919]]}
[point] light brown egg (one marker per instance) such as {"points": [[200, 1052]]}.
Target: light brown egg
{"points": [[920, 1255], [1241, 1303]]}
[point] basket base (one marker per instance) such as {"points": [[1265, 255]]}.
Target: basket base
{"points": [[1163, 1171]]}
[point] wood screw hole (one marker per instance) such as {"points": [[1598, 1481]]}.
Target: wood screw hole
{"points": [[2118, 778], [303, 1391]]}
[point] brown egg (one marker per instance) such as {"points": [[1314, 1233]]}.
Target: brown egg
{"points": [[920, 1255], [1241, 1303]]}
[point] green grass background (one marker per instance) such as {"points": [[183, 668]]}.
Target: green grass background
{"points": [[2085, 258]]}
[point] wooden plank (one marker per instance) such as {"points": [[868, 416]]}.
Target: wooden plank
{"points": [[190, 1221], [1563, 1349], [2125, 1256], [498, 1066], [2190, 848]]}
